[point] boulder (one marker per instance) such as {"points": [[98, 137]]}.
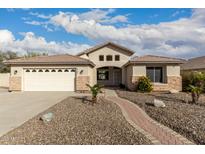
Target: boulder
{"points": [[173, 91], [47, 117], [156, 103]]}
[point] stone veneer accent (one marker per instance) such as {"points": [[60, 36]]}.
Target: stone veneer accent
{"points": [[81, 82], [14, 83], [173, 82]]}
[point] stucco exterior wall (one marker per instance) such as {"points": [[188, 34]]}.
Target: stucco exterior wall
{"points": [[173, 70], [4, 79], [94, 57], [171, 77], [108, 50]]}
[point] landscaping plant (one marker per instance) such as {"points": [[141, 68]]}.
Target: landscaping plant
{"points": [[144, 84], [196, 85], [95, 90]]}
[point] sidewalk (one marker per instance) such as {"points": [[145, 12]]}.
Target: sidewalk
{"points": [[156, 132]]}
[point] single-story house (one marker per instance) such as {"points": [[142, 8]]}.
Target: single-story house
{"points": [[108, 64], [194, 64]]}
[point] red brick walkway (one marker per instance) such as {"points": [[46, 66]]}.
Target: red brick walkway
{"points": [[156, 132]]}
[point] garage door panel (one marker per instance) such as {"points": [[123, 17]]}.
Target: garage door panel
{"points": [[49, 81]]}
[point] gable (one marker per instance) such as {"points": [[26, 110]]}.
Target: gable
{"points": [[111, 45], [107, 51]]}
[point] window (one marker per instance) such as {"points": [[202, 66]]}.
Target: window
{"points": [[72, 70], [154, 74], [59, 70], [109, 57], [27, 70], [117, 57], [101, 58], [33, 70], [103, 75], [66, 70], [40, 70], [53, 71], [46, 70]]}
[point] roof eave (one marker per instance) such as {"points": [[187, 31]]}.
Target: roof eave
{"points": [[49, 63], [152, 62]]}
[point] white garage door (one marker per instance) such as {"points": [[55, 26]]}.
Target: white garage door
{"points": [[49, 79]]}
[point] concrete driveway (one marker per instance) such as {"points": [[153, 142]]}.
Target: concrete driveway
{"points": [[18, 107]]}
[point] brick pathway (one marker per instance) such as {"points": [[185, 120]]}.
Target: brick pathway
{"points": [[156, 132]]}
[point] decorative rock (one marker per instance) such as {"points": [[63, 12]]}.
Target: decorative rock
{"points": [[156, 103], [47, 117], [173, 91], [159, 103]]}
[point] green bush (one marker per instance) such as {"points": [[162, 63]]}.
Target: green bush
{"points": [[144, 84], [193, 78], [194, 82]]}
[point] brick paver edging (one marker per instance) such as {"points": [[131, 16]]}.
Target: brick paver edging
{"points": [[154, 131]]}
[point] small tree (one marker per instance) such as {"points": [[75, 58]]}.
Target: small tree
{"points": [[95, 90], [196, 86], [144, 84]]}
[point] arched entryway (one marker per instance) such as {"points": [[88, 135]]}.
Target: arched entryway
{"points": [[109, 76]]}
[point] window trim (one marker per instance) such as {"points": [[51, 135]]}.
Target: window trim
{"points": [[109, 56]]}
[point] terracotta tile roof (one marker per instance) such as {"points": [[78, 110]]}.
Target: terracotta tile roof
{"points": [[155, 59], [194, 64], [53, 59], [129, 51]]}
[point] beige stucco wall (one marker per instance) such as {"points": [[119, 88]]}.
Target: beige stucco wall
{"points": [[108, 50], [4, 79], [94, 57], [171, 76], [173, 70], [139, 70]]}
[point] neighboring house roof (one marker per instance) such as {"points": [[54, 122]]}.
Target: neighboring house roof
{"points": [[194, 64], [90, 50], [155, 59], [53, 59]]}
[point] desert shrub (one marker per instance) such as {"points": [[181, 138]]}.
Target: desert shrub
{"points": [[144, 84], [195, 79]]}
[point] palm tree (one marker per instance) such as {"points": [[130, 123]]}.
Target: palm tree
{"points": [[95, 90], [195, 93]]}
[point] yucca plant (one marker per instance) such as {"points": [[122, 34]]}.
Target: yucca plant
{"points": [[95, 90], [196, 85], [195, 93]]}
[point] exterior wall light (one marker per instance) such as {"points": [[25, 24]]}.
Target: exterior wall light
{"points": [[81, 71], [15, 72]]}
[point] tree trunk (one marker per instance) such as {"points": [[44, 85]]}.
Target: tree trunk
{"points": [[94, 100], [195, 97]]}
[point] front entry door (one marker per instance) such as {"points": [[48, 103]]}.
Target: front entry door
{"points": [[117, 77]]}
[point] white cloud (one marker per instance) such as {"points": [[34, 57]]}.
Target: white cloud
{"points": [[182, 38], [42, 16], [31, 42], [6, 36]]}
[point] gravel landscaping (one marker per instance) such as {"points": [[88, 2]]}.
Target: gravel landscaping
{"points": [[185, 118], [75, 121]]}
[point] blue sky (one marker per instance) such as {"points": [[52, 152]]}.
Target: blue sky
{"points": [[147, 31]]}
